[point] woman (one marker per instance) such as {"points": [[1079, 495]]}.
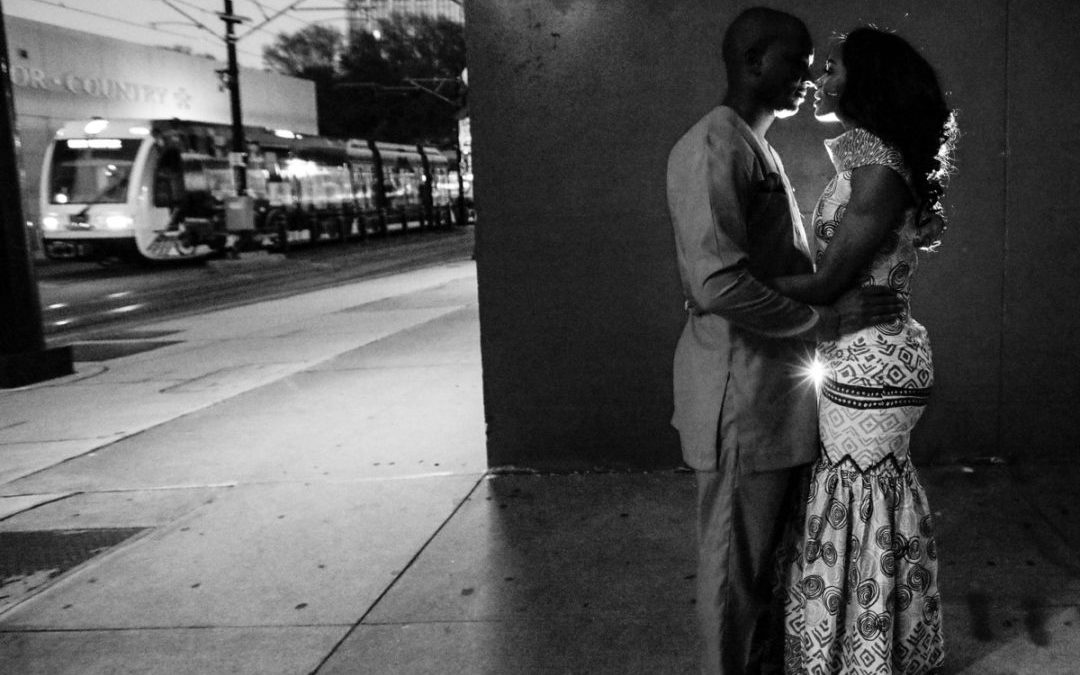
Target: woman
{"points": [[861, 588]]}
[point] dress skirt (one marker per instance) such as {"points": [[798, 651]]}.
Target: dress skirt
{"points": [[861, 591]]}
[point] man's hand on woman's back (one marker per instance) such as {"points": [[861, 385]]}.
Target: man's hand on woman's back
{"points": [[864, 307]]}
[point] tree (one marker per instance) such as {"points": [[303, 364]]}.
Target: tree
{"points": [[408, 45], [398, 83], [400, 77], [311, 52]]}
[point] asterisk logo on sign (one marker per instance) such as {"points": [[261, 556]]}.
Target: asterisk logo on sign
{"points": [[182, 98]]}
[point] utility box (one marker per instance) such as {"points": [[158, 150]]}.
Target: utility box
{"points": [[239, 214]]}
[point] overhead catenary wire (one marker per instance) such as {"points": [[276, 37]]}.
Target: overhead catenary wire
{"points": [[268, 18], [149, 26], [195, 22], [289, 13], [197, 16]]}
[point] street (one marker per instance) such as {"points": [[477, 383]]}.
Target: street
{"points": [[299, 486], [292, 455], [86, 300]]}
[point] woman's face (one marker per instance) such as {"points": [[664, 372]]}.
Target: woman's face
{"points": [[830, 86]]}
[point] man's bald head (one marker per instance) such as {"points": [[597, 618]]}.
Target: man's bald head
{"points": [[753, 31]]}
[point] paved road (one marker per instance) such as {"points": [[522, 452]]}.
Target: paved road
{"points": [[86, 300]]}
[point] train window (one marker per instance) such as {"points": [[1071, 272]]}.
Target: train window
{"points": [[195, 176], [92, 171], [364, 182], [256, 182], [209, 176], [272, 165], [341, 184], [220, 180]]}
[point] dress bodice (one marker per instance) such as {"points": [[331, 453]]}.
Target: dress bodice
{"points": [[896, 259], [866, 358]]}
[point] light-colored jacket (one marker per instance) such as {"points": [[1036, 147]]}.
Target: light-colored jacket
{"points": [[738, 375]]}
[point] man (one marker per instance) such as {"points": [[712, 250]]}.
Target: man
{"points": [[747, 423]]}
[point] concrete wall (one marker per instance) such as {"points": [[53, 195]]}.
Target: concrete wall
{"points": [[1040, 321], [574, 107]]}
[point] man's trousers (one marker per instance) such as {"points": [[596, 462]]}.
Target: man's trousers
{"points": [[742, 518]]}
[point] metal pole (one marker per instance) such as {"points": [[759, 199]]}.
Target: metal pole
{"points": [[23, 356], [462, 113], [239, 146], [462, 210]]}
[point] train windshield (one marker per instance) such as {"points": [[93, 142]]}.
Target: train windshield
{"points": [[92, 170]]}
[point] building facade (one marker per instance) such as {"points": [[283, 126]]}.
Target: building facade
{"points": [[58, 75], [364, 15]]}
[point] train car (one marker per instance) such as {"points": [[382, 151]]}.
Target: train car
{"points": [[160, 189]]}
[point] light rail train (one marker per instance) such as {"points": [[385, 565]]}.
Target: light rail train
{"points": [[164, 189]]}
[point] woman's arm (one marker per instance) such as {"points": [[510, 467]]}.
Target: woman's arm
{"points": [[879, 197]]}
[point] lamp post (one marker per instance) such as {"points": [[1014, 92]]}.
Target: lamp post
{"points": [[24, 359]]}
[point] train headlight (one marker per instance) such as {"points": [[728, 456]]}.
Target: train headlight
{"points": [[118, 222], [50, 223], [95, 126]]}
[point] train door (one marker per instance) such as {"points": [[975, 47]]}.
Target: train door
{"points": [[365, 183], [172, 229], [208, 181], [183, 213], [154, 238]]}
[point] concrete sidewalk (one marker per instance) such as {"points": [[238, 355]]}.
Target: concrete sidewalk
{"points": [[300, 486]]}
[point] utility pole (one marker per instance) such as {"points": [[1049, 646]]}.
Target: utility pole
{"points": [[239, 209], [239, 149], [24, 359]]}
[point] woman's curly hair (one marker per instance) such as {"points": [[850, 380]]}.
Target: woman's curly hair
{"points": [[892, 92]]}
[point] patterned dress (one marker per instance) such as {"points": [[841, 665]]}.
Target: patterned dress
{"points": [[861, 591]]}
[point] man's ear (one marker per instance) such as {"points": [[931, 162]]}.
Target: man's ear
{"points": [[754, 60]]}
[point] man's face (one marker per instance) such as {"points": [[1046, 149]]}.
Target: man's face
{"points": [[785, 73]]}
